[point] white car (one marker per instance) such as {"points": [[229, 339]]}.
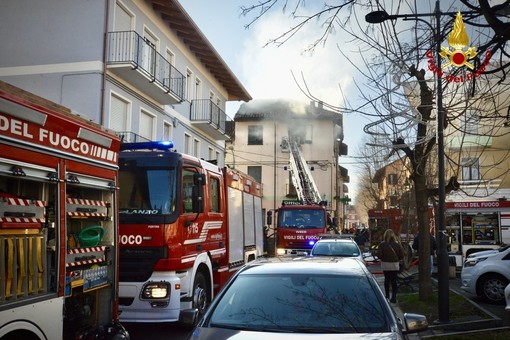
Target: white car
{"points": [[336, 246], [507, 296], [486, 274]]}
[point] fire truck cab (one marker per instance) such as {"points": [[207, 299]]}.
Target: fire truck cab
{"points": [[186, 226]]}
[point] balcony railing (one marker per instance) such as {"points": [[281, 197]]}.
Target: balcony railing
{"points": [[131, 137], [128, 48], [210, 118]]}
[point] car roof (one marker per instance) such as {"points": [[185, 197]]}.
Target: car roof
{"points": [[327, 265], [325, 240]]}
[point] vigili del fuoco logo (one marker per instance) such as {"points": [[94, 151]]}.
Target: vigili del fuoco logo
{"points": [[458, 54]]}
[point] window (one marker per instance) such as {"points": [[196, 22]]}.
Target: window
{"points": [[149, 51], [187, 190], [215, 194], [196, 148], [170, 57], [124, 19], [470, 169], [187, 144], [119, 113], [392, 179], [255, 172], [198, 89], [210, 154], [255, 133], [471, 121], [189, 84], [292, 191], [147, 121], [167, 131]]}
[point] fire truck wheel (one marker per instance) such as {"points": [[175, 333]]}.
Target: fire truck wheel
{"points": [[200, 295]]}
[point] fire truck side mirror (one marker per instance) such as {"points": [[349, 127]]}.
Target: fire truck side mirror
{"points": [[198, 193], [269, 219]]}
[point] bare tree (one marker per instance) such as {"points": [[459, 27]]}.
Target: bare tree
{"points": [[398, 88]]}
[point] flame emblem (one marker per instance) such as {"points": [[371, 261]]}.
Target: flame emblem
{"points": [[457, 54]]}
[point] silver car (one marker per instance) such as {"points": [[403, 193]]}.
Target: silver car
{"points": [[290, 299]]}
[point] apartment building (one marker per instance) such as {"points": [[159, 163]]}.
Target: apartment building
{"points": [[259, 148], [139, 67], [392, 184]]}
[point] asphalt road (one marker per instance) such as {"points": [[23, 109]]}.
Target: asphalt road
{"points": [[156, 331]]}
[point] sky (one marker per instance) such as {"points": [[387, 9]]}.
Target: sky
{"points": [[267, 72]]}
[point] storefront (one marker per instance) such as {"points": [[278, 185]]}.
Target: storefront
{"points": [[476, 225]]}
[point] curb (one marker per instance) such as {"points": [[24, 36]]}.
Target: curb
{"points": [[466, 326], [451, 328]]}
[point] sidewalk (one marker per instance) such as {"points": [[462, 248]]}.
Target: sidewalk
{"points": [[374, 268], [437, 330]]}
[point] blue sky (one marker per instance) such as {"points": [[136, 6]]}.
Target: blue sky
{"points": [[266, 72]]}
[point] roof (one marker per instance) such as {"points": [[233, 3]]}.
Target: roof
{"points": [[326, 265], [178, 19], [284, 109]]}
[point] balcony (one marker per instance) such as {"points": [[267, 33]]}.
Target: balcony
{"points": [[209, 118], [131, 137], [136, 60]]}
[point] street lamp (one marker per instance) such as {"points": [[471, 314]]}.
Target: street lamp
{"points": [[442, 254]]}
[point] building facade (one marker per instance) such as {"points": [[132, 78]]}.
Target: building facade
{"points": [[259, 148], [140, 68]]}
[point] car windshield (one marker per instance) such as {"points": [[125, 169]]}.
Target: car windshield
{"points": [[336, 249], [301, 303], [302, 218]]}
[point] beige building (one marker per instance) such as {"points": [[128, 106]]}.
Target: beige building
{"points": [[259, 149]]}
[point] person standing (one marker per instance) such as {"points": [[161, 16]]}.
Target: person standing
{"points": [[390, 252], [433, 248]]}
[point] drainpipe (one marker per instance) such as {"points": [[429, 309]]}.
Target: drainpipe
{"points": [[103, 84]]}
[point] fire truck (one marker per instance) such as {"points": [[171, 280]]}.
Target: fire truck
{"points": [[186, 225], [300, 223], [58, 222], [476, 225], [403, 224]]}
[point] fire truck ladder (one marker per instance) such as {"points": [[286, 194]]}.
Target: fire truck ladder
{"points": [[301, 177]]}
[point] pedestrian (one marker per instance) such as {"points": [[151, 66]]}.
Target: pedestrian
{"points": [[390, 252], [433, 248]]}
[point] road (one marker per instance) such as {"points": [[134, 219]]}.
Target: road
{"points": [[156, 331]]}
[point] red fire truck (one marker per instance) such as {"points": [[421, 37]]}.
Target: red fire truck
{"points": [[403, 224], [299, 223], [186, 225], [299, 227], [58, 222]]}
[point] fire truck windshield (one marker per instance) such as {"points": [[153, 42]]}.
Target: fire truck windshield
{"points": [[147, 191], [304, 218]]}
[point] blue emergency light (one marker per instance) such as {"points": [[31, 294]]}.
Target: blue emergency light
{"points": [[312, 242], [159, 145]]}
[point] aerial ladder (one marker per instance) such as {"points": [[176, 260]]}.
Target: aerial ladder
{"points": [[301, 176]]}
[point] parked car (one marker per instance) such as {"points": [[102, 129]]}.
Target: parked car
{"points": [[336, 246], [486, 274], [304, 299]]}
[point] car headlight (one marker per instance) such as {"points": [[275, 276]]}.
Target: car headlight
{"points": [[473, 262], [156, 290]]}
